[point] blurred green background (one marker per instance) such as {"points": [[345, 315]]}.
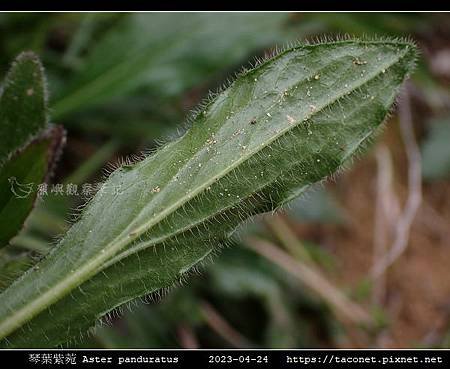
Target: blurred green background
{"points": [[123, 83]]}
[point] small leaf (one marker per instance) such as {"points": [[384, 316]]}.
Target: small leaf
{"points": [[22, 105], [28, 148], [279, 128], [20, 178]]}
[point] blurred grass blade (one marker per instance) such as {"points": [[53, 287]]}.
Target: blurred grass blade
{"points": [[166, 53], [27, 148], [280, 127]]}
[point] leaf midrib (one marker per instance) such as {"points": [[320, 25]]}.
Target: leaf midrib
{"points": [[166, 237], [146, 226], [79, 276]]}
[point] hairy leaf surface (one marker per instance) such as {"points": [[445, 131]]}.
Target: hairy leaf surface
{"points": [[280, 127]]}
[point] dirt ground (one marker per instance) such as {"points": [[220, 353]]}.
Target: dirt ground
{"points": [[415, 295]]}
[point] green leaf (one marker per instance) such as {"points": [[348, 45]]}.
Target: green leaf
{"points": [[27, 148], [280, 127], [436, 150], [22, 105], [166, 53], [20, 178]]}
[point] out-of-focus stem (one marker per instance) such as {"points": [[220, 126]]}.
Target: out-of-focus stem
{"points": [[414, 189], [288, 239], [314, 280], [219, 325]]}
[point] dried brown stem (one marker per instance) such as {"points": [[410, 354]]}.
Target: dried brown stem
{"points": [[386, 214], [414, 200], [187, 337], [219, 325], [314, 280]]}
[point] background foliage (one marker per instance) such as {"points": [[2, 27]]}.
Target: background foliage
{"points": [[118, 82]]}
